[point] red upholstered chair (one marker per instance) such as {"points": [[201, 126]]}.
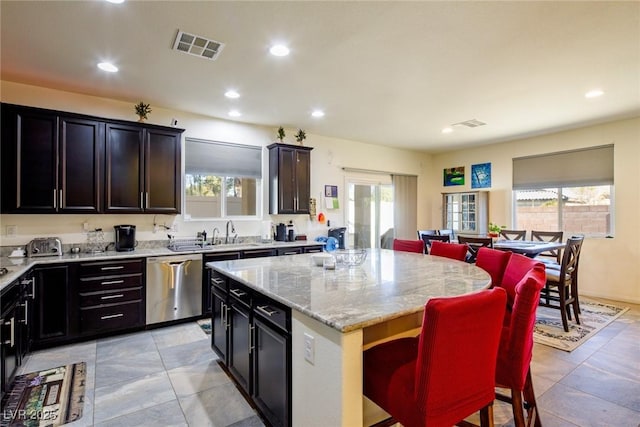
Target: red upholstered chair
{"points": [[517, 267], [449, 250], [446, 373], [408, 245], [493, 262], [516, 345]]}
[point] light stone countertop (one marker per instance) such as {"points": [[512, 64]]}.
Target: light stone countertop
{"points": [[387, 285], [18, 266]]}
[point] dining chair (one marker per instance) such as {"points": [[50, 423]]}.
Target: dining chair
{"points": [[513, 234], [513, 367], [553, 257], [408, 245], [431, 232], [475, 243], [493, 262], [447, 232], [517, 267], [447, 372], [561, 288], [428, 238], [448, 250]]}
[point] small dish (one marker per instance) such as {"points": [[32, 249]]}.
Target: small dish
{"points": [[318, 259]]}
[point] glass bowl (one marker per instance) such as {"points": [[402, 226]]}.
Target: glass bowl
{"points": [[350, 257]]}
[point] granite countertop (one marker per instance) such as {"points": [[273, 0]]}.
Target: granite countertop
{"points": [[387, 285], [18, 266]]}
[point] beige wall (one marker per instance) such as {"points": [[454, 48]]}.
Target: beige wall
{"points": [[609, 268]]}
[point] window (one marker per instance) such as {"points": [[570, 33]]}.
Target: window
{"points": [[569, 191], [222, 179]]}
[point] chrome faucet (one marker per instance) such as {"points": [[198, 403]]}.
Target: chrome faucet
{"points": [[213, 235], [233, 230]]}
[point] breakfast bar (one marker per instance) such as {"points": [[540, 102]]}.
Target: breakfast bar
{"points": [[338, 313]]}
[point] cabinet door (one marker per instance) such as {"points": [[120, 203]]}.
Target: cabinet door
{"points": [[207, 275], [286, 181], [272, 373], [124, 186], [52, 308], [9, 359], [29, 160], [239, 344], [162, 172], [81, 154], [303, 181], [219, 327]]}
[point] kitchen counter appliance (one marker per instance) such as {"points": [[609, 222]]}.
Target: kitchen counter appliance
{"points": [[174, 287], [125, 237], [339, 234], [44, 246]]}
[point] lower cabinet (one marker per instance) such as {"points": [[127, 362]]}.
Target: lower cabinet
{"points": [[252, 335], [9, 335], [110, 295], [52, 309], [206, 276]]}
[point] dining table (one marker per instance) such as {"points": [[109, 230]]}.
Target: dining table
{"points": [[529, 248]]}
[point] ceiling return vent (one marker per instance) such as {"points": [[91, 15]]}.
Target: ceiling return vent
{"points": [[197, 45], [473, 123]]}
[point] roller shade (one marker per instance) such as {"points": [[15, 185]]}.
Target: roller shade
{"points": [[204, 157], [589, 166]]}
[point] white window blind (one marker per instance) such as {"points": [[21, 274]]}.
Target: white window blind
{"points": [[203, 157], [584, 167]]}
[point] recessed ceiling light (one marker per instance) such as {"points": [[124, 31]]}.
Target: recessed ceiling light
{"points": [[232, 94], [115, 1], [594, 93], [234, 113], [447, 130], [279, 50], [107, 66], [317, 113]]}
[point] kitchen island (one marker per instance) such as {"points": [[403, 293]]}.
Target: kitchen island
{"points": [[336, 314]]}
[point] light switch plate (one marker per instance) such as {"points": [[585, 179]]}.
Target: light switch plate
{"points": [[309, 348]]}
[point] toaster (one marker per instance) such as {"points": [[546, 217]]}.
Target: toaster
{"points": [[44, 246]]}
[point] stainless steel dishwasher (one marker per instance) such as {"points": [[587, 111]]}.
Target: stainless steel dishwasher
{"points": [[174, 287]]}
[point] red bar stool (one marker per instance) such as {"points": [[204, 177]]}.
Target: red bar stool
{"points": [[408, 245], [449, 250], [446, 373], [493, 262]]}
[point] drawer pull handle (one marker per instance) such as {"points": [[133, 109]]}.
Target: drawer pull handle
{"points": [[112, 282], [217, 281], [111, 316], [116, 267], [112, 296], [237, 292], [263, 309]]}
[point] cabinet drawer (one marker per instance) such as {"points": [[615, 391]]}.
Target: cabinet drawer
{"points": [[273, 312], [240, 293], [116, 316], [88, 299], [219, 281], [107, 283], [313, 249], [289, 251], [110, 268]]}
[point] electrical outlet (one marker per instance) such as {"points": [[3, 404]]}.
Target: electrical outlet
{"points": [[85, 226], [309, 348], [12, 230]]}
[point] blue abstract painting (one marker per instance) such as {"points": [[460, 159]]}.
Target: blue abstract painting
{"points": [[481, 175]]}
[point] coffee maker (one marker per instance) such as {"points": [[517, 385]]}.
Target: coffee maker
{"points": [[125, 237], [338, 233]]}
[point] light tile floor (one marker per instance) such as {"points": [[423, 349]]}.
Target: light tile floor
{"points": [[170, 377]]}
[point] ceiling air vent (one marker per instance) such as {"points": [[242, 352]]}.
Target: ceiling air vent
{"points": [[197, 45], [473, 123]]}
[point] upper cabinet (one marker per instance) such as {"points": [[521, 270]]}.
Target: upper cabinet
{"points": [[55, 162], [50, 162], [142, 170], [289, 179]]}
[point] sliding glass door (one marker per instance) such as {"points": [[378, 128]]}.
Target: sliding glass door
{"points": [[369, 211]]}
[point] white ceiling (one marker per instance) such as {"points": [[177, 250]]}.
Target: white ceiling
{"points": [[391, 73]]}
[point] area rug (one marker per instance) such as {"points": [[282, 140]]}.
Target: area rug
{"points": [[595, 316], [205, 325], [51, 397]]}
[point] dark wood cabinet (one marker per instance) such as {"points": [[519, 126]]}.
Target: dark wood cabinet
{"points": [[51, 163], [239, 357], [52, 306], [10, 336], [209, 277], [142, 170], [289, 179], [219, 325]]}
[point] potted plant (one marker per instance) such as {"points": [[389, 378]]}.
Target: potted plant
{"points": [[300, 136], [281, 134], [142, 110], [495, 229]]}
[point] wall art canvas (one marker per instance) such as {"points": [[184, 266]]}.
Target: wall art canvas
{"points": [[454, 176], [481, 175]]}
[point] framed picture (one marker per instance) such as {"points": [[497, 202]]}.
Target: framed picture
{"points": [[330, 191], [454, 176], [481, 175]]}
